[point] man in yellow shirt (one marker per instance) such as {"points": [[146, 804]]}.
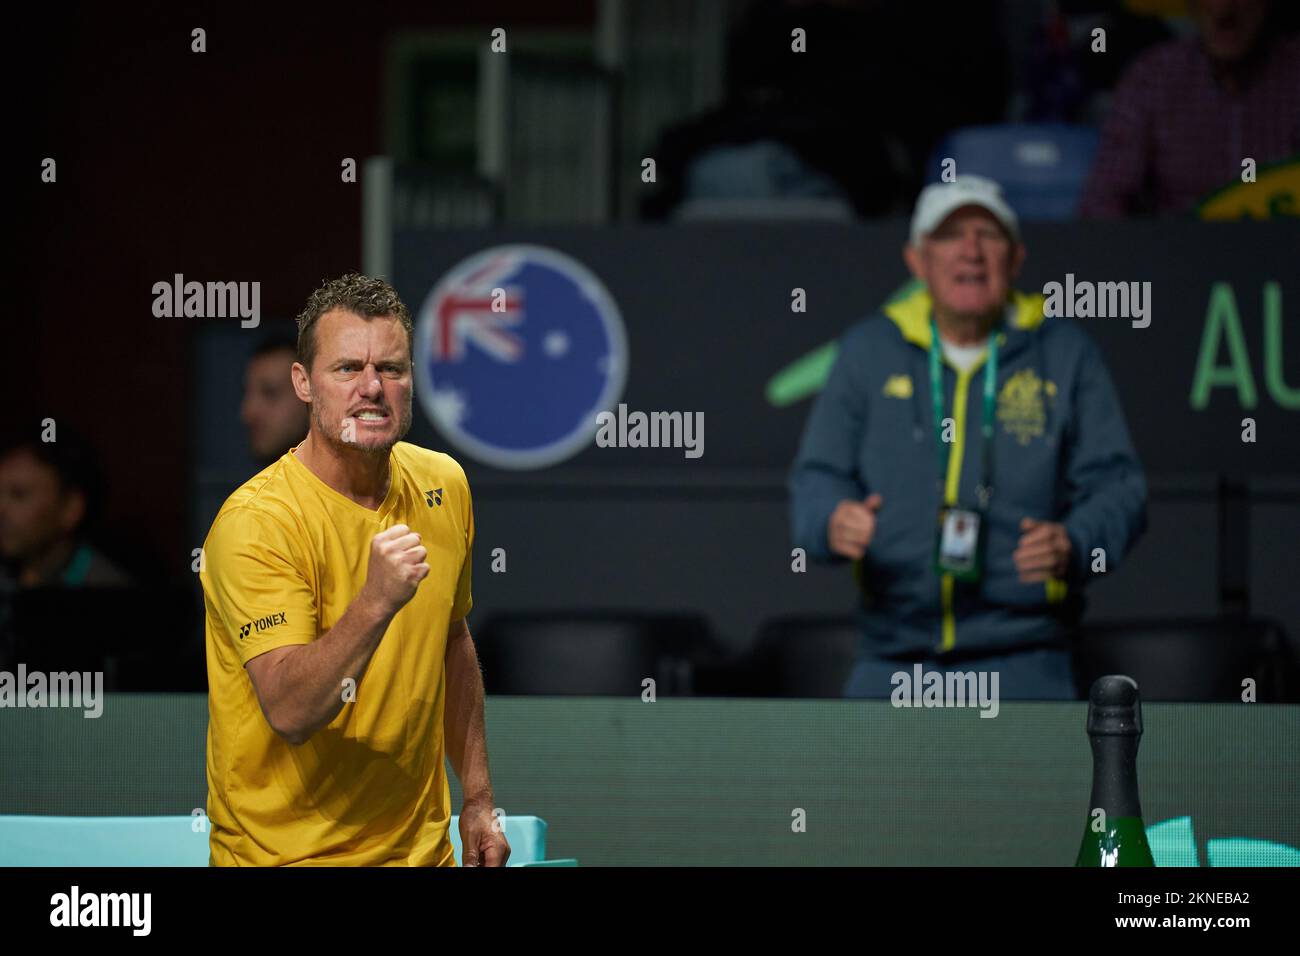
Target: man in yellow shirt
{"points": [[336, 584]]}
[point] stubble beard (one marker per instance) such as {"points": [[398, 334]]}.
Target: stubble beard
{"points": [[334, 435]]}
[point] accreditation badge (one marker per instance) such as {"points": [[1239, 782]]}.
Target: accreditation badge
{"points": [[960, 540]]}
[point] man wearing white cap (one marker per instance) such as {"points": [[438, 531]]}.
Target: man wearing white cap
{"points": [[970, 457]]}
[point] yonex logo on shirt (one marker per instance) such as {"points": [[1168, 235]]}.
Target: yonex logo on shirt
{"points": [[262, 623], [433, 497]]}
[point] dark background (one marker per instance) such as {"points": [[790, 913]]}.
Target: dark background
{"points": [[226, 165]]}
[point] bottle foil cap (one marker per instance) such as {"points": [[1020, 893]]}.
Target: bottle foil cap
{"points": [[1115, 707]]}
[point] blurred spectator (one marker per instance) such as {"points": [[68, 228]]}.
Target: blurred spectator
{"points": [[63, 604], [275, 417], [852, 119], [50, 496], [968, 453], [1188, 112]]}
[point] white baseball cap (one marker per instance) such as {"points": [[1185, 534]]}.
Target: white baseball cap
{"points": [[938, 200]]}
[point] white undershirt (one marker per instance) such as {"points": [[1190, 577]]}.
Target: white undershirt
{"points": [[963, 357]]}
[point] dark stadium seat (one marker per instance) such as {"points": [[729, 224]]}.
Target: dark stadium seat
{"points": [[803, 657], [1191, 659], [598, 653], [1042, 166]]}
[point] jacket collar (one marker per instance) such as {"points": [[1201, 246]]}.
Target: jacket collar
{"points": [[910, 311]]}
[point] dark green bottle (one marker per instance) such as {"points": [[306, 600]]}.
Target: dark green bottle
{"points": [[1115, 730]]}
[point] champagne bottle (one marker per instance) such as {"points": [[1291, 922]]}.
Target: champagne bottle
{"points": [[1114, 834]]}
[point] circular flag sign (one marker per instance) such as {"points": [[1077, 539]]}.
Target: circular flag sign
{"points": [[517, 349]]}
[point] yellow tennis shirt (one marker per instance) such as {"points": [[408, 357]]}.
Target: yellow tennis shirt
{"points": [[284, 558]]}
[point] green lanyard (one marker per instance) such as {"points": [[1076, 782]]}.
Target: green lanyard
{"points": [[985, 488]]}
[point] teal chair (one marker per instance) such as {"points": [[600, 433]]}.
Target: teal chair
{"points": [[32, 840], [1173, 843], [101, 841]]}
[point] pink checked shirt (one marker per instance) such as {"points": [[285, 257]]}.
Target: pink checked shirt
{"points": [[1174, 135]]}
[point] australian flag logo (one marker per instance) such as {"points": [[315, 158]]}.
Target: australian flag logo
{"points": [[518, 348]]}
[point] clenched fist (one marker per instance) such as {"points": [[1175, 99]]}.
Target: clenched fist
{"points": [[396, 568], [1043, 551], [852, 525]]}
